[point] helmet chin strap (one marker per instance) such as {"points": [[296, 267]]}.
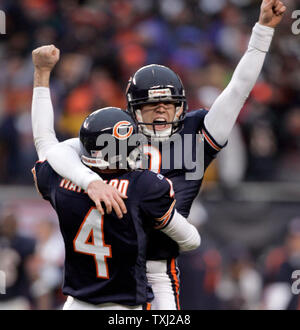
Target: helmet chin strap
{"points": [[157, 135]]}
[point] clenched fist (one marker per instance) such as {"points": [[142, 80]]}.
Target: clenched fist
{"points": [[44, 58], [271, 12]]}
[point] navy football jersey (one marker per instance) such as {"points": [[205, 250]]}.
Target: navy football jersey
{"points": [[160, 245], [105, 257]]}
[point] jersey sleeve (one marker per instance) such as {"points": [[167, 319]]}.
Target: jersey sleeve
{"points": [[44, 178], [157, 201], [212, 147]]}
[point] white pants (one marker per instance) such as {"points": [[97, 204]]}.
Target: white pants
{"points": [[75, 304], [163, 276]]}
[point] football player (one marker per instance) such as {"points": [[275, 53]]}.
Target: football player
{"points": [[156, 99], [105, 259]]}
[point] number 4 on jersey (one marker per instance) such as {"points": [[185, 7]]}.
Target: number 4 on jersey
{"points": [[90, 240]]}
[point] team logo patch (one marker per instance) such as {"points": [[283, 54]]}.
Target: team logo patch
{"points": [[152, 93], [122, 130]]}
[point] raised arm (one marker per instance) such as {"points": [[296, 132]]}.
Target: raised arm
{"points": [[223, 114], [64, 157], [41, 111]]}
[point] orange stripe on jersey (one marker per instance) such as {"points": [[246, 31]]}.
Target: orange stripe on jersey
{"points": [[62, 182], [176, 281], [210, 142], [161, 225], [172, 193], [33, 171], [167, 213], [147, 307], [35, 180]]}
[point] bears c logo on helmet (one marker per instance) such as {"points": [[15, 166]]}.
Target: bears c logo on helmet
{"points": [[122, 130]]}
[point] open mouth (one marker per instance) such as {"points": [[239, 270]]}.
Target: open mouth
{"points": [[160, 124]]}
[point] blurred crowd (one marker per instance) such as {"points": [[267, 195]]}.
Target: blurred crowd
{"points": [[102, 43], [32, 263]]}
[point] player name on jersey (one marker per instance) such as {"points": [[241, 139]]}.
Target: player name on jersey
{"points": [[121, 185], [69, 185]]}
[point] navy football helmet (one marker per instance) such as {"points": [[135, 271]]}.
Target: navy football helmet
{"points": [[155, 84], [104, 137]]}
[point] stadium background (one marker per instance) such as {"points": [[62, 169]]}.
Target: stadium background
{"points": [[248, 209]]}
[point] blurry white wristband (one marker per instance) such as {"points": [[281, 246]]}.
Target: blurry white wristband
{"points": [[261, 37]]}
